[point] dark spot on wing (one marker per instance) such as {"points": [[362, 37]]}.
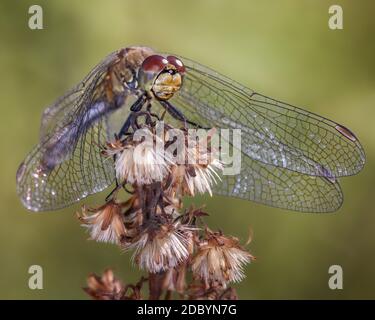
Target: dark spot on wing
{"points": [[20, 172], [346, 132]]}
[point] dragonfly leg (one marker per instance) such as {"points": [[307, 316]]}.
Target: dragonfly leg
{"points": [[177, 114], [139, 103], [126, 126], [113, 192], [149, 106], [127, 190], [163, 115], [136, 107]]}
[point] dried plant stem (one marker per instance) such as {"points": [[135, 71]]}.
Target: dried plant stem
{"points": [[156, 285]]}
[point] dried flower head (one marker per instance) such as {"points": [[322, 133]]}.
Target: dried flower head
{"points": [[162, 246], [199, 172], [106, 287], [220, 259], [140, 161], [198, 178], [105, 223]]}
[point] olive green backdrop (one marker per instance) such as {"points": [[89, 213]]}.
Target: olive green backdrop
{"points": [[281, 48]]}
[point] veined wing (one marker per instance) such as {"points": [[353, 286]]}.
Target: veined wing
{"points": [[73, 101], [84, 171], [282, 188], [67, 164], [272, 185], [273, 132]]}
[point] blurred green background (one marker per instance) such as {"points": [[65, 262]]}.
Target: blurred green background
{"points": [[281, 48]]}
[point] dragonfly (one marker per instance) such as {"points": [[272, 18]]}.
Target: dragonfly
{"points": [[291, 158]]}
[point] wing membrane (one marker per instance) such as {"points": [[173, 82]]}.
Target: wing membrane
{"points": [[282, 188], [272, 185], [273, 132], [84, 172], [74, 103], [291, 157], [67, 164]]}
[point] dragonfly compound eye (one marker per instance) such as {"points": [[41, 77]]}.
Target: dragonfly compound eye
{"points": [[177, 63], [154, 64], [151, 67]]}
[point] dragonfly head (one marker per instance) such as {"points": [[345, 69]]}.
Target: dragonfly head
{"points": [[161, 76]]}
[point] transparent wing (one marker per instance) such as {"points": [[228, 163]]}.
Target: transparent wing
{"points": [[273, 132], [272, 185], [85, 171], [282, 188], [67, 164], [73, 102]]}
